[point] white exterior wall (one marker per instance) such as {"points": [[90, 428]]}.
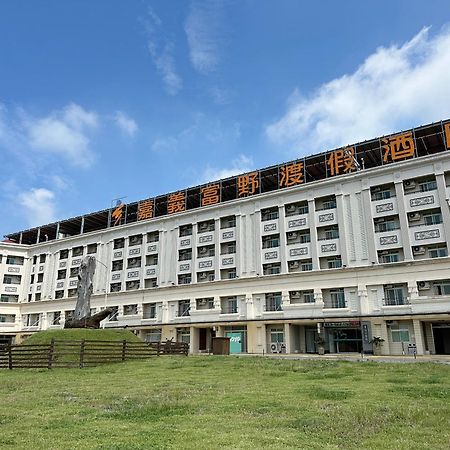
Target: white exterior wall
{"points": [[361, 276]]}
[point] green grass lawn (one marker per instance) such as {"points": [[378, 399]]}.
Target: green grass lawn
{"points": [[227, 402]]}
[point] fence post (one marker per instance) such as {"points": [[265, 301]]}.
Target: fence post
{"points": [[82, 346], [50, 353], [124, 349], [10, 360], [158, 349]]}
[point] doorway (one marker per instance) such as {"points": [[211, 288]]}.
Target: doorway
{"points": [[441, 335]]}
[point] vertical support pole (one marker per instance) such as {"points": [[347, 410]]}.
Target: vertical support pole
{"points": [[82, 348], [51, 351], [158, 349], [10, 360]]}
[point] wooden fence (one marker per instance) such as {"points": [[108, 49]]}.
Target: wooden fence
{"points": [[84, 353]]}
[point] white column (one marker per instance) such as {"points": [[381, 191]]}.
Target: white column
{"points": [[418, 335], [313, 233], [404, 228]]}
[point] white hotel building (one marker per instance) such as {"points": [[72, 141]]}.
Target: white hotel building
{"points": [[352, 246]]}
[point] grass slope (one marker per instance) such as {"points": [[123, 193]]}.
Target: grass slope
{"points": [[227, 402], [77, 334]]}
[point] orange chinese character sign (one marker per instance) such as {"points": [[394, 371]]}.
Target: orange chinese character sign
{"points": [[210, 194], [176, 202], [291, 174], [447, 134], [117, 214], [145, 210], [342, 161], [248, 184], [398, 147]]}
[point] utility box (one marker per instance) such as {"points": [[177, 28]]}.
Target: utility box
{"points": [[221, 345]]}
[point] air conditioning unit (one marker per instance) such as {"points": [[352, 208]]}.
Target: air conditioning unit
{"points": [[203, 227], [409, 185], [376, 189], [203, 276], [384, 252], [388, 286], [202, 301], [294, 264], [291, 208], [419, 250], [274, 347], [203, 251], [380, 220], [292, 235], [423, 285], [295, 294], [415, 216]]}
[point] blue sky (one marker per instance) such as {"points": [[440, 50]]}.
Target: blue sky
{"points": [[106, 99]]}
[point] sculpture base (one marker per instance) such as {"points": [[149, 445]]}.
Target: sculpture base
{"points": [[89, 321]]}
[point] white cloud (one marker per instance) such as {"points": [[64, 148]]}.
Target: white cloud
{"points": [[203, 29], [395, 88], [240, 164], [65, 133], [126, 124], [161, 50], [38, 205]]}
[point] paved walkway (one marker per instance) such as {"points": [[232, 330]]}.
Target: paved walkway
{"points": [[439, 359]]}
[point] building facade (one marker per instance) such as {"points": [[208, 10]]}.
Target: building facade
{"points": [[345, 246]]}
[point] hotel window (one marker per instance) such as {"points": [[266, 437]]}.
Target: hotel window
{"points": [[63, 254], [271, 269], [271, 241], [205, 226], [206, 251], [306, 266], [153, 335], [42, 258], [394, 295], [185, 230], [399, 334], [9, 298], [62, 274], [12, 279], [73, 272], [117, 265], [153, 236], [15, 260], [426, 186], [294, 209], [92, 248], [77, 251], [389, 257], [331, 233], [205, 303], [119, 243], [442, 287], [228, 248], [149, 311], [387, 225], [184, 279], [183, 335], [184, 306], [115, 287], [228, 222], [37, 297], [131, 285], [269, 214], [184, 255], [229, 305], [438, 252], [273, 302], [59, 294], [133, 263], [135, 240], [334, 263], [205, 276], [72, 293], [130, 310], [151, 283], [381, 195], [432, 219], [40, 277], [337, 298]]}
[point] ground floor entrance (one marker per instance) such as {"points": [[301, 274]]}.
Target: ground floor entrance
{"points": [[441, 335]]}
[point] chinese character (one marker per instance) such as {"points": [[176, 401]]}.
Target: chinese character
{"points": [[399, 147], [291, 174], [117, 214], [145, 210], [248, 184], [210, 194], [447, 134], [176, 202], [342, 159]]}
